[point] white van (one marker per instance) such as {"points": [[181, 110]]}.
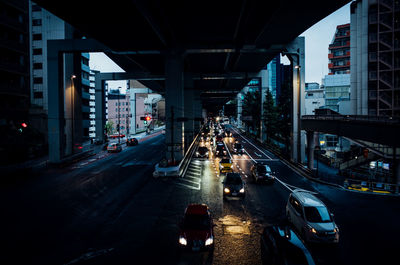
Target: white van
{"points": [[311, 218]]}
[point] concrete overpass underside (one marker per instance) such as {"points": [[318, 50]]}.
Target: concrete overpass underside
{"points": [[199, 46]]}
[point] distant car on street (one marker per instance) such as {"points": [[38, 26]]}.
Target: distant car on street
{"points": [[311, 218], [196, 229], [233, 186], [262, 173], [238, 149], [202, 151], [220, 150], [114, 148], [131, 141], [228, 133], [280, 245]]}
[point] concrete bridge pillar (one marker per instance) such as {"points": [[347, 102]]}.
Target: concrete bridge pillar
{"points": [[174, 105], [310, 149], [189, 113], [197, 110]]}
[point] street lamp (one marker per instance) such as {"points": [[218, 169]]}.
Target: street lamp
{"points": [[72, 112]]}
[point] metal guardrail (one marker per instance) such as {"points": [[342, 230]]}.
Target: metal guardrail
{"points": [[371, 186], [363, 118], [180, 169]]}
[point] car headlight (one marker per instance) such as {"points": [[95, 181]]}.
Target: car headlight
{"points": [[231, 166], [336, 230], [209, 241], [206, 153], [182, 240], [235, 150], [197, 153], [312, 230], [227, 190], [241, 190]]}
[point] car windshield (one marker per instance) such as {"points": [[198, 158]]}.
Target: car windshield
{"points": [[317, 214], [234, 179], [203, 149], [263, 169], [225, 161], [196, 221]]}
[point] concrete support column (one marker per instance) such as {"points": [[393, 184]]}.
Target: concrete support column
{"points": [[174, 105], [197, 110], [239, 110], [310, 149], [100, 107], [296, 53], [55, 105], [189, 114]]}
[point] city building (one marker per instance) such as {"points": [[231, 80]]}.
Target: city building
{"points": [[337, 82], [375, 67], [275, 76], [45, 26], [119, 111], [314, 98], [14, 76]]}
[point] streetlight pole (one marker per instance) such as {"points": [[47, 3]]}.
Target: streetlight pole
{"points": [[72, 113]]}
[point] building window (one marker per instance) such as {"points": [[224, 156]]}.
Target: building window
{"points": [[37, 66], [38, 94], [38, 80], [37, 51], [36, 22], [37, 36]]}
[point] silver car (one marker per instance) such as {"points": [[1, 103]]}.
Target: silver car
{"points": [[311, 218]]}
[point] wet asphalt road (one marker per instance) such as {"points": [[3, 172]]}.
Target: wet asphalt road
{"points": [[109, 209]]}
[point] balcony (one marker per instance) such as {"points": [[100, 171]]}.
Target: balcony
{"points": [[338, 46]]}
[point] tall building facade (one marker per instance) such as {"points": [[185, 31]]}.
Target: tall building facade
{"points": [[375, 62], [314, 98], [119, 111], [275, 76], [337, 82], [46, 26], [14, 76]]}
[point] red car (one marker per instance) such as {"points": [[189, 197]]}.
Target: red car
{"points": [[196, 230]]}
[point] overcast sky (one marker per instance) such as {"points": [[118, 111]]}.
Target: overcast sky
{"points": [[317, 40]]}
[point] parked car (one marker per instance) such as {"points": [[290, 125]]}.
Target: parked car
{"points": [[262, 172], [311, 217], [114, 148], [225, 166], [238, 148], [280, 245], [234, 186], [131, 141], [196, 229], [202, 151]]}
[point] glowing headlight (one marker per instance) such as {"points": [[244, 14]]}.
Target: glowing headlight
{"points": [[336, 230], [197, 153], [182, 240], [231, 166], [226, 190], [241, 190], [209, 241], [312, 230], [206, 153]]}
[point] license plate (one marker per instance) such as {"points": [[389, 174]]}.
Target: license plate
{"points": [[234, 193], [195, 248]]}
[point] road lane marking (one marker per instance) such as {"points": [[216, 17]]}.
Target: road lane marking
{"points": [[257, 154], [252, 144]]}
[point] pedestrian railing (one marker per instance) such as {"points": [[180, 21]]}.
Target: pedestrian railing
{"points": [[371, 186]]}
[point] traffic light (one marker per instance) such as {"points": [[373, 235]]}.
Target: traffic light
{"points": [[148, 118]]}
